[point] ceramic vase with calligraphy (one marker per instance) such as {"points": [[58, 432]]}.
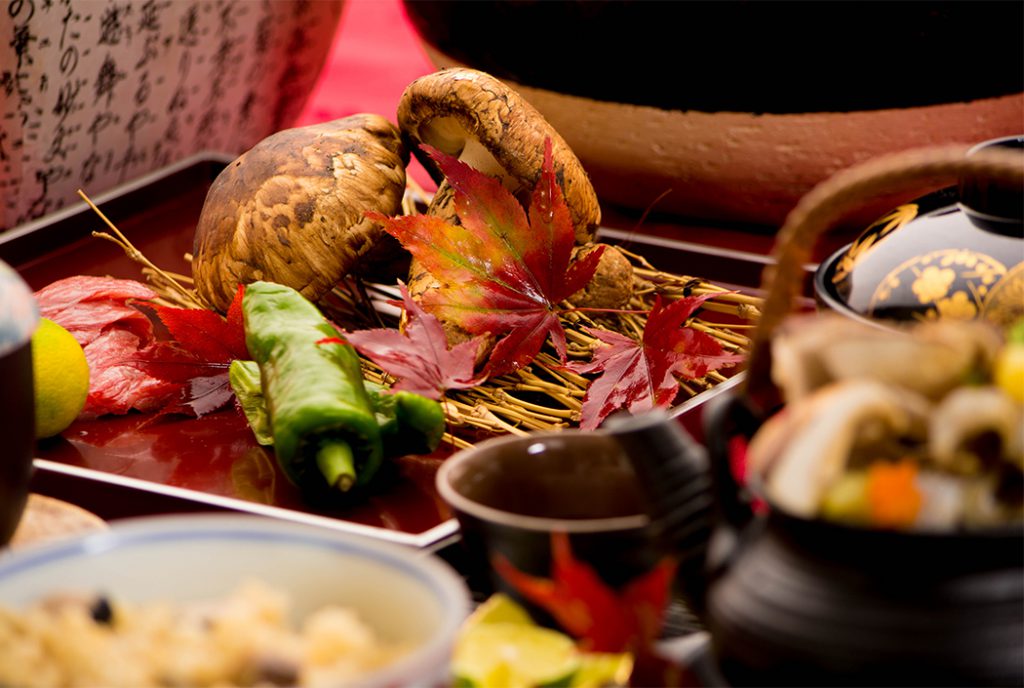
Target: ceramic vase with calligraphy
{"points": [[97, 94]]}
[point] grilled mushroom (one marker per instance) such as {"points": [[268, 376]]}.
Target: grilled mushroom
{"points": [[291, 209], [970, 412], [487, 125], [809, 352], [834, 421]]}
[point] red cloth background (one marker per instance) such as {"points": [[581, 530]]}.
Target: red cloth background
{"points": [[375, 55]]}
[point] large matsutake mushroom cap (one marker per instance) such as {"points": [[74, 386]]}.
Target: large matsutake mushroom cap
{"points": [[292, 209], [477, 118]]}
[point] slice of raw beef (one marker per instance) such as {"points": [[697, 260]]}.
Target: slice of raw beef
{"points": [[98, 312]]}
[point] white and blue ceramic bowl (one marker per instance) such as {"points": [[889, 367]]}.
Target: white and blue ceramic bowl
{"points": [[403, 594]]}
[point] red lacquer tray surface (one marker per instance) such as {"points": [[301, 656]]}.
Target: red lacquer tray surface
{"points": [[214, 462]]}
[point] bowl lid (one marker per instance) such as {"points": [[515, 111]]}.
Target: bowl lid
{"points": [[955, 253]]}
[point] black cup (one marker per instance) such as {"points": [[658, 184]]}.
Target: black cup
{"points": [[18, 318], [517, 499]]}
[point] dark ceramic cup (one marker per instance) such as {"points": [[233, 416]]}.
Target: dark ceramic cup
{"points": [[18, 319], [521, 500]]}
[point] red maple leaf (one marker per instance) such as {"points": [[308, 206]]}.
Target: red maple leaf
{"points": [[605, 620], [198, 356], [639, 376], [419, 357], [207, 335], [503, 271]]}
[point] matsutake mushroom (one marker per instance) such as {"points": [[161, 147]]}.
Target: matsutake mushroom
{"points": [[612, 283], [798, 471], [487, 125], [292, 209]]}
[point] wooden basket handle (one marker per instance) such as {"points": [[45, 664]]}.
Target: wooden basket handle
{"points": [[833, 198]]}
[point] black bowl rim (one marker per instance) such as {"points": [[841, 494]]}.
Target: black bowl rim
{"points": [[463, 505], [824, 293]]}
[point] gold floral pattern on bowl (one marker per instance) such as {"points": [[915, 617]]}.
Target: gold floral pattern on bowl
{"points": [[927, 260], [948, 283]]}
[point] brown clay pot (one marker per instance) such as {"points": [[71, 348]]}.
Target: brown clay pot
{"points": [[733, 111]]}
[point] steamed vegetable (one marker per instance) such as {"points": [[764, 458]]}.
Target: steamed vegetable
{"points": [[918, 428]]}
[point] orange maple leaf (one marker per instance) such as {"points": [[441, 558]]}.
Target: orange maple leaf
{"points": [[602, 618]]}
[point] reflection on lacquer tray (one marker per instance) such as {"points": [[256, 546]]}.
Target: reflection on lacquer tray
{"points": [[218, 455]]}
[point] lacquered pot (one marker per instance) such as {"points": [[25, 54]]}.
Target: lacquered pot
{"points": [[955, 253], [18, 319]]}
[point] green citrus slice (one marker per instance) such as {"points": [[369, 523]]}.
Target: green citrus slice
{"points": [[598, 669], [499, 608], [511, 654]]}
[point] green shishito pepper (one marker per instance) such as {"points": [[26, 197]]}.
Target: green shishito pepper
{"points": [[247, 385], [324, 427], [409, 423]]}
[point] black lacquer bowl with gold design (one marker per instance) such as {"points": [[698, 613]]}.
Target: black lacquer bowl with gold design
{"points": [[955, 253]]}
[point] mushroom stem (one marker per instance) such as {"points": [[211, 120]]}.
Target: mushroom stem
{"points": [[482, 160]]}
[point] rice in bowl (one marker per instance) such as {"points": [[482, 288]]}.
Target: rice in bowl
{"points": [[414, 602], [243, 639]]}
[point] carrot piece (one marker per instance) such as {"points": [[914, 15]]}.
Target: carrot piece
{"points": [[893, 497]]}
